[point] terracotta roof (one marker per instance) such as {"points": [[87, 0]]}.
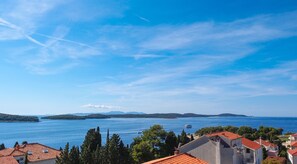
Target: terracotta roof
{"points": [[293, 152], [294, 144], [294, 135], [177, 159], [229, 135], [6, 152], [266, 143], [36, 152], [8, 160], [250, 144]]}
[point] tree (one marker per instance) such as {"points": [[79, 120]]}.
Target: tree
{"points": [[265, 155], [125, 155], [113, 149], [74, 155], [16, 144], [150, 144], [2, 146], [24, 142], [170, 143], [90, 144], [184, 138], [98, 155], [142, 152], [64, 155]]}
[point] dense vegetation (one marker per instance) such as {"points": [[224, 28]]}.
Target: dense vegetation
{"points": [[266, 133], [153, 143], [155, 115], [17, 118], [75, 117]]}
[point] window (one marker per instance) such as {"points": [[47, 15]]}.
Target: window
{"points": [[247, 150]]}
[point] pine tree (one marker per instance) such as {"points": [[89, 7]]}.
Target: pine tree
{"points": [[106, 149], [74, 155], [184, 138], [86, 156], [170, 144], [90, 144], [64, 156], [125, 156], [113, 149], [97, 155]]}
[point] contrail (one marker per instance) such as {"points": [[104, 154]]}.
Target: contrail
{"points": [[18, 29]]}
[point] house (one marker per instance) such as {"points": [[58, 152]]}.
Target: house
{"points": [[292, 156], [252, 152], [293, 137], [177, 159], [272, 149], [36, 154], [293, 145], [217, 148]]}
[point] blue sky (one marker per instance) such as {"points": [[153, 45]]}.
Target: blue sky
{"points": [[151, 56]]}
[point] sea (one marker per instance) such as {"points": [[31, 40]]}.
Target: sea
{"points": [[56, 133]]}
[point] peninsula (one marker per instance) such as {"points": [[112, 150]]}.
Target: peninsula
{"points": [[17, 118]]}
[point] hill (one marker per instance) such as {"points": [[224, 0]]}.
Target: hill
{"points": [[17, 118], [75, 117], [154, 115]]}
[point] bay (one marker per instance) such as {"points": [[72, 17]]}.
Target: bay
{"points": [[56, 133]]}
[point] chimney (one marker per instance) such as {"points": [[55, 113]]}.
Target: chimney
{"points": [[176, 152]]}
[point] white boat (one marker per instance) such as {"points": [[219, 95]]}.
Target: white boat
{"points": [[188, 126]]}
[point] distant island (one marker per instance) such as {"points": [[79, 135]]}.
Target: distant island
{"points": [[154, 115], [75, 117], [17, 118]]}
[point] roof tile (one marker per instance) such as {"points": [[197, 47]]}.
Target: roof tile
{"points": [[250, 144], [293, 152], [229, 135], [8, 160], [177, 159]]}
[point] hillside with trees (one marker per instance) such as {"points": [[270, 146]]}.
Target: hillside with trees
{"points": [[153, 143], [17, 118]]}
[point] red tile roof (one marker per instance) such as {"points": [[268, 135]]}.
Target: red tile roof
{"points": [[266, 143], [8, 160], [293, 152], [177, 159], [6, 152], [294, 135], [38, 152], [229, 135], [250, 144], [294, 144]]}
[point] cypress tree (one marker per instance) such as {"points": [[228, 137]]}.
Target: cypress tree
{"points": [[2, 146]]}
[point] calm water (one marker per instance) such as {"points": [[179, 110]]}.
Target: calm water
{"points": [[57, 133]]}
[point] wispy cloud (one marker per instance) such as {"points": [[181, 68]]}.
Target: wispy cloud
{"points": [[197, 61], [101, 106], [143, 18]]}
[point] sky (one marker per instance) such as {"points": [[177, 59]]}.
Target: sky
{"points": [[206, 56]]}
